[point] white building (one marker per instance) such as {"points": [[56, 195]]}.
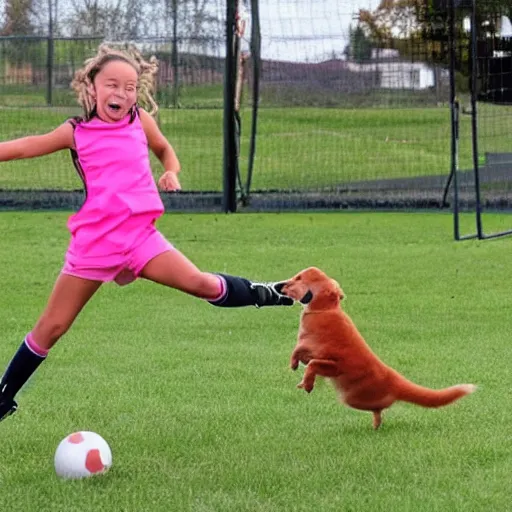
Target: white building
{"points": [[506, 27], [399, 74]]}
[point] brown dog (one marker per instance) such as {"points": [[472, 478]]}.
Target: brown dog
{"points": [[331, 346]]}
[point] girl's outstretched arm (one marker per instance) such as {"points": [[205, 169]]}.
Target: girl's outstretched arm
{"points": [[37, 145], [163, 151]]}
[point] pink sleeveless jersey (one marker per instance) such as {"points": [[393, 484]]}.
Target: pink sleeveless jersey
{"points": [[122, 200]]}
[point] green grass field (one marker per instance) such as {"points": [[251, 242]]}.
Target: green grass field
{"points": [[199, 405], [297, 148]]}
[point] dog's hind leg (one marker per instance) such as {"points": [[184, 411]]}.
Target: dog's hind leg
{"points": [[377, 419]]}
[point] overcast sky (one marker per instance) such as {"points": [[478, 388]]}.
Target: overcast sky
{"points": [[307, 29]]}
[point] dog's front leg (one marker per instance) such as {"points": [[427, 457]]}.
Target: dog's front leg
{"points": [[300, 354], [323, 367]]}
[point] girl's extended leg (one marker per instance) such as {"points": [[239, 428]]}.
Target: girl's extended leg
{"points": [[69, 296], [171, 268]]}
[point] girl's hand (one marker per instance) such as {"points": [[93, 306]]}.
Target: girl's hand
{"points": [[169, 182]]}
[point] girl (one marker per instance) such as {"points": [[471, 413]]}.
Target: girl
{"points": [[113, 235]]}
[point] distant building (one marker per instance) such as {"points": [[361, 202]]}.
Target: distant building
{"points": [[395, 73], [385, 53], [398, 74], [506, 27]]}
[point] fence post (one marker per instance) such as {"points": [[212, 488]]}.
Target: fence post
{"points": [[474, 116], [49, 57], [230, 149], [174, 56]]}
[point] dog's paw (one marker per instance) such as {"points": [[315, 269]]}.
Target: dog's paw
{"points": [[294, 365], [305, 386]]}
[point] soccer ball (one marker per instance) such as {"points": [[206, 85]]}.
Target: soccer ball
{"points": [[82, 454]]}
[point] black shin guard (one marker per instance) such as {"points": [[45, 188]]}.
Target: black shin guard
{"points": [[241, 292]]}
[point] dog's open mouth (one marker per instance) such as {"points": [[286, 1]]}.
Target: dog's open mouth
{"points": [[306, 299]]}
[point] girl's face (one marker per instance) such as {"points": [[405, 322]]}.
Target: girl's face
{"points": [[114, 90]]}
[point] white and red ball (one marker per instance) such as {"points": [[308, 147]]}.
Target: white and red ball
{"points": [[82, 454]]}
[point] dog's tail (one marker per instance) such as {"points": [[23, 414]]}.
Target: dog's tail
{"points": [[407, 391]]}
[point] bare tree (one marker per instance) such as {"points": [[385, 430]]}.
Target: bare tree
{"points": [[18, 18], [93, 18], [194, 23], [135, 24]]}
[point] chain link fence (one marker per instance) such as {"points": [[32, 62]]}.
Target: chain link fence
{"points": [[353, 99]]}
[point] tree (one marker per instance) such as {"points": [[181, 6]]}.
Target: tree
{"points": [[392, 19], [419, 29], [410, 27], [360, 46], [196, 20], [17, 16], [90, 18], [403, 19], [135, 24]]}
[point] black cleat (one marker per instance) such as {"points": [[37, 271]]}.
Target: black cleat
{"points": [[266, 294], [7, 407]]}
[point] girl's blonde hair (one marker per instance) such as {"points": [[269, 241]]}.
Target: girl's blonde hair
{"points": [[146, 71]]}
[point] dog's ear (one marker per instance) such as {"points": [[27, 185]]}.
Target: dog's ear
{"points": [[338, 289]]}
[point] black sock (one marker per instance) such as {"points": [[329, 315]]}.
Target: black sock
{"points": [[241, 292], [238, 293], [24, 363]]}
